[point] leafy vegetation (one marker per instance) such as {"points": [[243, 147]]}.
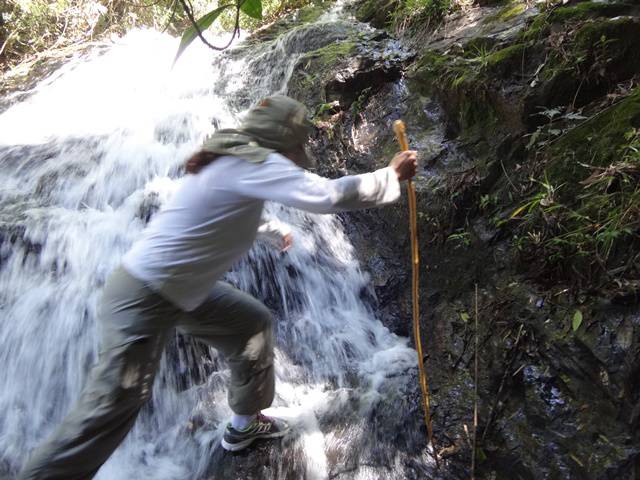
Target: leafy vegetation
{"points": [[567, 195], [411, 18], [30, 27], [414, 13], [587, 226]]}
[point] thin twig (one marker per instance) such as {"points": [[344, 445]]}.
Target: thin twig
{"points": [[475, 394], [236, 29], [174, 9], [575, 97], [143, 5], [6, 42], [502, 382], [507, 176]]}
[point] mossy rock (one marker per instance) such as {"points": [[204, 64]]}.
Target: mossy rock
{"points": [[602, 54], [596, 142], [587, 10], [507, 60], [572, 14], [317, 68], [478, 45], [428, 69], [506, 13], [478, 66], [307, 14], [464, 90], [615, 43], [376, 12], [311, 13]]}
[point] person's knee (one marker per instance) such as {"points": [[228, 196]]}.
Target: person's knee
{"points": [[264, 319], [258, 348]]}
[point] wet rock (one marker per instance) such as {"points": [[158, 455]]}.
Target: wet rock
{"points": [[347, 72]]}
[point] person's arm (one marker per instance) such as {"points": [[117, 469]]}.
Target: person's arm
{"points": [[280, 180], [277, 233]]}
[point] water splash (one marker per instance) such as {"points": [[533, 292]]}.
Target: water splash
{"points": [[86, 160]]}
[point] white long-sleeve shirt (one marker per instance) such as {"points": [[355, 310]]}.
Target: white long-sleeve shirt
{"points": [[214, 216]]}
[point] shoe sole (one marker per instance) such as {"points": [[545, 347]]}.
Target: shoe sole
{"points": [[234, 447]]}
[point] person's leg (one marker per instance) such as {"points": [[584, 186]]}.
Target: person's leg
{"points": [[134, 322], [239, 327]]}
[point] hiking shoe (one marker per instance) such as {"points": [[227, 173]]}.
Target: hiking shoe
{"points": [[262, 427]]}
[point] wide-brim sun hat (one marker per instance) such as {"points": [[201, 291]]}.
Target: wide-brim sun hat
{"points": [[277, 124]]}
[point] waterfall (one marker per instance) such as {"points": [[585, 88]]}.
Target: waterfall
{"points": [[85, 161]]}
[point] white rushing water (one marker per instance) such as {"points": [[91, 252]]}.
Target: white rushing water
{"points": [[83, 162]]}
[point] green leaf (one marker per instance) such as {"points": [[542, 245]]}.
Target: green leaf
{"points": [[203, 23], [253, 8], [519, 210], [577, 320], [480, 454], [464, 316]]}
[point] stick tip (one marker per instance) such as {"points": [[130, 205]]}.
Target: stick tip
{"points": [[398, 126]]}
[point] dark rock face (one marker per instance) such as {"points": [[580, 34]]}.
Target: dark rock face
{"points": [[347, 72], [555, 400]]}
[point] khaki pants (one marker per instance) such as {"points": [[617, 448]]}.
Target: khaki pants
{"points": [[135, 324]]}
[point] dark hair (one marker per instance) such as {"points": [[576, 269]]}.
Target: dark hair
{"points": [[199, 160]]}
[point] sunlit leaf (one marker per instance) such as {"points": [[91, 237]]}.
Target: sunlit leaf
{"points": [[203, 23], [519, 210], [464, 316], [577, 320], [253, 8]]}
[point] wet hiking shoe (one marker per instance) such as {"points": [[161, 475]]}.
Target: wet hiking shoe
{"points": [[262, 427]]}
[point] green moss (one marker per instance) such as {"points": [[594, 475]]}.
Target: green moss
{"points": [[432, 58], [585, 10], [316, 68], [478, 116], [310, 13], [582, 11], [600, 54], [625, 31], [456, 72], [536, 30], [466, 86], [429, 68], [376, 12], [478, 45], [585, 211], [323, 58], [306, 14], [506, 60], [509, 11], [506, 54]]}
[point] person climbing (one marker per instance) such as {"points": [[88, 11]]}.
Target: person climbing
{"points": [[170, 278]]}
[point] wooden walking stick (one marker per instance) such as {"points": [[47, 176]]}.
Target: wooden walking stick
{"points": [[401, 135]]}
